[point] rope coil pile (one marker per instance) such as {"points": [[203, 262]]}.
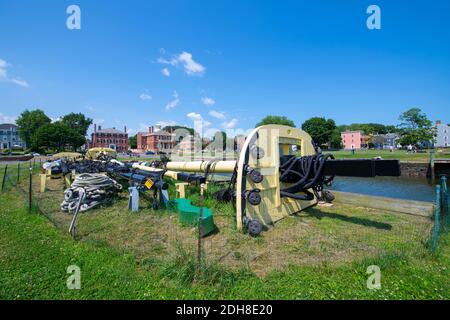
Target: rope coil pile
{"points": [[89, 190]]}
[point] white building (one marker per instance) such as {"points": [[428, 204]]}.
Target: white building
{"points": [[443, 134]]}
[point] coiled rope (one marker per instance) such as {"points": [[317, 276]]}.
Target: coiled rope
{"points": [[89, 190]]}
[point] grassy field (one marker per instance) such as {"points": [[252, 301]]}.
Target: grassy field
{"points": [[322, 253], [386, 154]]}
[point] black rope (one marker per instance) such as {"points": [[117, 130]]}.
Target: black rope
{"points": [[304, 173]]}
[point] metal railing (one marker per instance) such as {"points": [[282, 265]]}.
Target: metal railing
{"points": [[441, 211]]}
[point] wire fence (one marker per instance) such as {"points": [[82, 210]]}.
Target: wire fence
{"points": [[338, 234], [441, 212]]}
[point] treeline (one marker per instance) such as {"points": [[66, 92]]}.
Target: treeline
{"points": [[414, 128], [41, 134]]}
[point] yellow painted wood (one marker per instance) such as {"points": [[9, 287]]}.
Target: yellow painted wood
{"points": [[181, 189], [43, 178]]}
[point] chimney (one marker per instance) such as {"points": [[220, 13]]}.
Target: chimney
{"points": [[99, 128], [150, 129], [125, 129], [95, 127], [438, 122]]}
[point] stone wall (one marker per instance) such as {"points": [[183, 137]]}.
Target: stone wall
{"points": [[415, 169]]}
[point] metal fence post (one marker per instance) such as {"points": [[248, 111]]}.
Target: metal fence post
{"points": [[4, 178], [436, 217], [18, 172], [30, 187]]}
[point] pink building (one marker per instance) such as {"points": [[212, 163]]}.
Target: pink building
{"points": [[352, 139]]}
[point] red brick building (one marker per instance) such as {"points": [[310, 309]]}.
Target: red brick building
{"points": [[155, 140], [110, 138]]}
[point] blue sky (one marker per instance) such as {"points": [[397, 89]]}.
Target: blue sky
{"points": [[231, 63]]}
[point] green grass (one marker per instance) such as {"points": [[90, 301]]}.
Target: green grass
{"points": [[320, 254], [386, 154]]}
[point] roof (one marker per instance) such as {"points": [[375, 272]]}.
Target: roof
{"points": [[110, 130], [159, 133], [354, 131], [7, 126]]}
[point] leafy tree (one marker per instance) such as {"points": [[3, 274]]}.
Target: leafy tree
{"points": [[336, 139], [276, 120], [415, 127], [320, 129], [78, 122], [29, 122], [58, 137], [172, 129], [133, 142]]}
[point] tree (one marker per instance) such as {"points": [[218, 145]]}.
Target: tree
{"points": [[172, 129], [78, 122], [58, 137], [415, 127], [29, 122], [133, 142], [320, 129], [276, 120], [336, 139]]}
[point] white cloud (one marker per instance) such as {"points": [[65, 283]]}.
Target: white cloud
{"points": [[198, 119], [207, 101], [166, 123], [217, 114], [165, 72], [172, 104], [145, 96], [90, 108], [4, 75], [230, 124], [190, 66], [7, 119], [194, 116]]}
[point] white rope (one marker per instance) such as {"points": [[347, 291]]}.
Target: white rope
{"points": [[92, 188]]}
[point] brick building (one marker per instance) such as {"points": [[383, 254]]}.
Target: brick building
{"points": [[110, 138], [155, 140]]}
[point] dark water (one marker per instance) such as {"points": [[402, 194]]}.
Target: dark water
{"points": [[393, 187]]}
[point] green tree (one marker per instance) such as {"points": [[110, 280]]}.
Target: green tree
{"points": [[29, 122], [415, 127], [320, 129], [78, 122], [276, 120], [57, 137], [336, 139], [133, 142], [172, 129]]}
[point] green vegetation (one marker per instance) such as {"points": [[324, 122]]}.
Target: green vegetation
{"points": [[276, 120], [323, 132], [323, 253], [401, 155], [41, 134], [415, 127]]}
